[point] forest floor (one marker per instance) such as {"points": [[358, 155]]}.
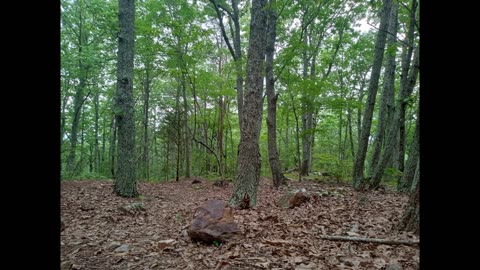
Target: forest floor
{"points": [[98, 235]]}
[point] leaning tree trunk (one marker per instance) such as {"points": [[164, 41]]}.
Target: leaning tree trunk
{"points": [[388, 94], [277, 175], [409, 173], [359, 164], [407, 55], [393, 129], [411, 218], [248, 169], [125, 182]]}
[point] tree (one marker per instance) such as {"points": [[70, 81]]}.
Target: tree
{"points": [[248, 169], [277, 175], [123, 104], [410, 220], [359, 164], [236, 51], [392, 133], [414, 154]]}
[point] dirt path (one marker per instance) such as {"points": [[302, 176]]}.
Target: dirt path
{"points": [[274, 238]]}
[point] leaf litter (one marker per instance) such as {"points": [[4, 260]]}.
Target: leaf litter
{"points": [[102, 232]]}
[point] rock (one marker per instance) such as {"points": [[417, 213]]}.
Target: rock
{"points": [[113, 245], [293, 199], [122, 248], [66, 265], [132, 208], [62, 225], [394, 266], [213, 221], [196, 181]]}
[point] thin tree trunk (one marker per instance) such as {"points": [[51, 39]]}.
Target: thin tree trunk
{"points": [[359, 164], [236, 51], [220, 134], [187, 130], [385, 115], [407, 178], [406, 58], [97, 149], [249, 164], [178, 139], [78, 98], [112, 149], [297, 139], [125, 182], [146, 107], [277, 175], [349, 123]]}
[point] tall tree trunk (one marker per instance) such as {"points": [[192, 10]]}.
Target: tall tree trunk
{"points": [[248, 170], [359, 164], [277, 175], [78, 98], [104, 141], [306, 112], [97, 148], [349, 123], [125, 182], [297, 140], [407, 177], [385, 115], [287, 141], [393, 129], [410, 220], [186, 129], [178, 139], [221, 106], [145, 141], [112, 149], [236, 51], [406, 58]]}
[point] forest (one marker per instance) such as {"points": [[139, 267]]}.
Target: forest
{"points": [[229, 134]]}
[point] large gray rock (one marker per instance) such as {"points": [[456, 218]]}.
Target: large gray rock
{"points": [[293, 199], [213, 221]]}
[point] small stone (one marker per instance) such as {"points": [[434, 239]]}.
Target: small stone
{"points": [[122, 248]]}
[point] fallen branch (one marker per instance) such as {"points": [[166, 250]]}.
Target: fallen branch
{"points": [[371, 240], [291, 170]]}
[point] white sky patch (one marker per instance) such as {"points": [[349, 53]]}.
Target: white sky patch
{"points": [[363, 26]]}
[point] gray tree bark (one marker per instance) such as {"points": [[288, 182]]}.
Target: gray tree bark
{"points": [[123, 104], [248, 169], [277, 175], [407, 177], [393, 130], [146, 107], [78, 98], [359, 164], [406, 57], [112, 149], [387, 103], [410, 220], [97, 148]]}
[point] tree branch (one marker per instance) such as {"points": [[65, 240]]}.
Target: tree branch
{"points": [[222, 28], [371, 240]]}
